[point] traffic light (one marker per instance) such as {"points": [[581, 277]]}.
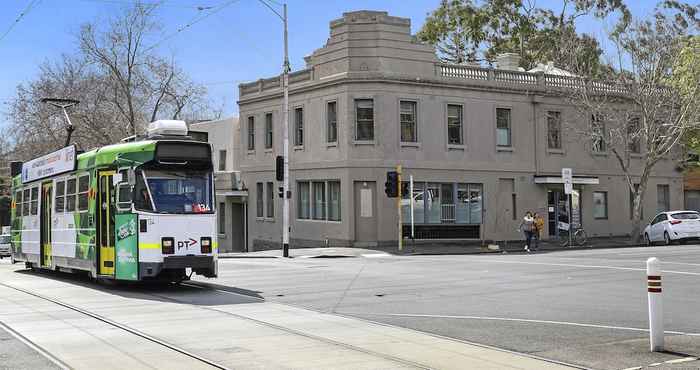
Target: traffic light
{"points": [[404, 189], [279, 168], [391, 186]]}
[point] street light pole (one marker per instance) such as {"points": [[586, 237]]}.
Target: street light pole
{"points": [[285, 129]]}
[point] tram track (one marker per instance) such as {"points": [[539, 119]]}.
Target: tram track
{"points": [[119, 326]]}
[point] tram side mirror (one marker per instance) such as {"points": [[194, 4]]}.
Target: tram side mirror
{"points": [[124, 197]]}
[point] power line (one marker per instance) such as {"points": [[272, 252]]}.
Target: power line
{"points": [[155, 3], [194, 21], [19, 18]]}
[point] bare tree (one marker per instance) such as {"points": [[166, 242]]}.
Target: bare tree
{"points": [[119, 78], [641, 111]]}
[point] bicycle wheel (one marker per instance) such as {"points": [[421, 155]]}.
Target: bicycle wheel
{"points": [[580, 237]]}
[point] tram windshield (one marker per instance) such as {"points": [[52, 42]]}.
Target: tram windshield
{"points": [[174, 191]]}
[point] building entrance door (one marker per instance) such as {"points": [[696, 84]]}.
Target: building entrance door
{"points": [[365, 213], [558, 211]]}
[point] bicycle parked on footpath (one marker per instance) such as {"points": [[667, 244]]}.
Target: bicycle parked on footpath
{"points": [[578, 238]]}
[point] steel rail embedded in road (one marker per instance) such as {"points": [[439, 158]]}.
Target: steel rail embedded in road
{"points": [[119, 326]]}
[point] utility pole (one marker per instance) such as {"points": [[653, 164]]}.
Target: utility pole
{"points": [[399, 197], [286, 194]]}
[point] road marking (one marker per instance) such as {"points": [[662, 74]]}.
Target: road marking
{"points": [[376, 255], [592, 266], [642, 261], [490, 318], [682, 360]]}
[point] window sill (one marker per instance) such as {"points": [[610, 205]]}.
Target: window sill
{"points": [[298, 148], [600, 154], [600, 218], [410, 144], [319, 221], [504, 149], [268, 219], [556, 151], [332, 145], [259, 219], [455, 147], [636, 155], [251, 152], [221, 236], [363, 142], [268, 150]]}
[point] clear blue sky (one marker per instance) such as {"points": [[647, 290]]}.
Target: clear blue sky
{"points": [[242, 42]]}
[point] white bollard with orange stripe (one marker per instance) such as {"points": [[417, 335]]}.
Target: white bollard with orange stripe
{"points": [[656, 307]]}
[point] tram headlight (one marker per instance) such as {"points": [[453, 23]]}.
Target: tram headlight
{"points": [[205, 245], [168, 245]]}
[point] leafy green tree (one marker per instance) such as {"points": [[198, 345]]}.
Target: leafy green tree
{"points": [[466, 31]]}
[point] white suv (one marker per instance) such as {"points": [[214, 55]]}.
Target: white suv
{"points": [[5, 250]]}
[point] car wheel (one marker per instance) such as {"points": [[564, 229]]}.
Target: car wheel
{"points": [[667, 238], [647, 240]]}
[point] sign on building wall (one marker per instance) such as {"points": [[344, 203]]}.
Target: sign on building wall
{"points": [[60, 161]]}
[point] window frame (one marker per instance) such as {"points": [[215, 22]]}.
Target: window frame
{"points": [[334, 124], [364, 121], [19, 204], [558, 122], [269, 130], [605, 205], [416, 138], [259, 200], [299, 129], [34, 203], [597, 121], [250, 125], [223, 153], [634, 145], [509, 145], [461, 124], [58, 196], [270, 200], [221, 219], [311, 206], [79, 194], [667, 197], [26, 201]]}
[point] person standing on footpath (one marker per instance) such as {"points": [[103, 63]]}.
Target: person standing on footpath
{"points": [[527, 226], [539, 230]]}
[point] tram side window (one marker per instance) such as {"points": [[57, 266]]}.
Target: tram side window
{"points": [[18, 203], [83, 187], [35, 201], [70, 195], [25, 202], [60, 197]]}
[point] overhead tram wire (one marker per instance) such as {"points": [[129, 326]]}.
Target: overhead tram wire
{"points": [[194, 21], [24, 12], [161, 3]]}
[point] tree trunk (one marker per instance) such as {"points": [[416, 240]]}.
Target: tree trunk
{"points": [[637, 220]]}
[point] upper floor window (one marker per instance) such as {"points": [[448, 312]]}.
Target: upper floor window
{"points": [[454, 124], [407, 116], [268, 130], [364, 113], [633, 136], [597, 134], [222, 160], [553, 130], [299, 126], [332, 122], [251, 133], [503, 127]]}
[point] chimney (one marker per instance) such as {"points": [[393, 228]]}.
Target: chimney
{"points": [[508, 61]]}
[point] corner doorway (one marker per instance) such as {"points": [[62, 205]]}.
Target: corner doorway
{"points": [[558, 210]]}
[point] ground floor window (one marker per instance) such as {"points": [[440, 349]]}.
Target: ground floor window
{"points": [[600, 205], [444, 203], [318, 200], [221, 212]]}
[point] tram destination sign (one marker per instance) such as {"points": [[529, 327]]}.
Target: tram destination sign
{"points": [[60, 161]]}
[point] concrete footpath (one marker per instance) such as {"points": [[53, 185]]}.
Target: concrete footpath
{"points": [[432, 248]]}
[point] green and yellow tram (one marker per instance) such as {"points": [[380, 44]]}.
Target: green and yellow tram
{"points": [[138, 210]]}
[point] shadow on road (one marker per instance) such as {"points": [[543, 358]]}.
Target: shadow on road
{"points": [[199, 294]]}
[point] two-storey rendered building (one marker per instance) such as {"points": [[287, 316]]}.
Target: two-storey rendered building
{"points": [[484, 145]]}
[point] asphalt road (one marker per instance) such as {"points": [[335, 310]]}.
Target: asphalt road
{"points": [[585, 307]]}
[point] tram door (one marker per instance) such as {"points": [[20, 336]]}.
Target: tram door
{"points": [[106, 223], [45, 223]]}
